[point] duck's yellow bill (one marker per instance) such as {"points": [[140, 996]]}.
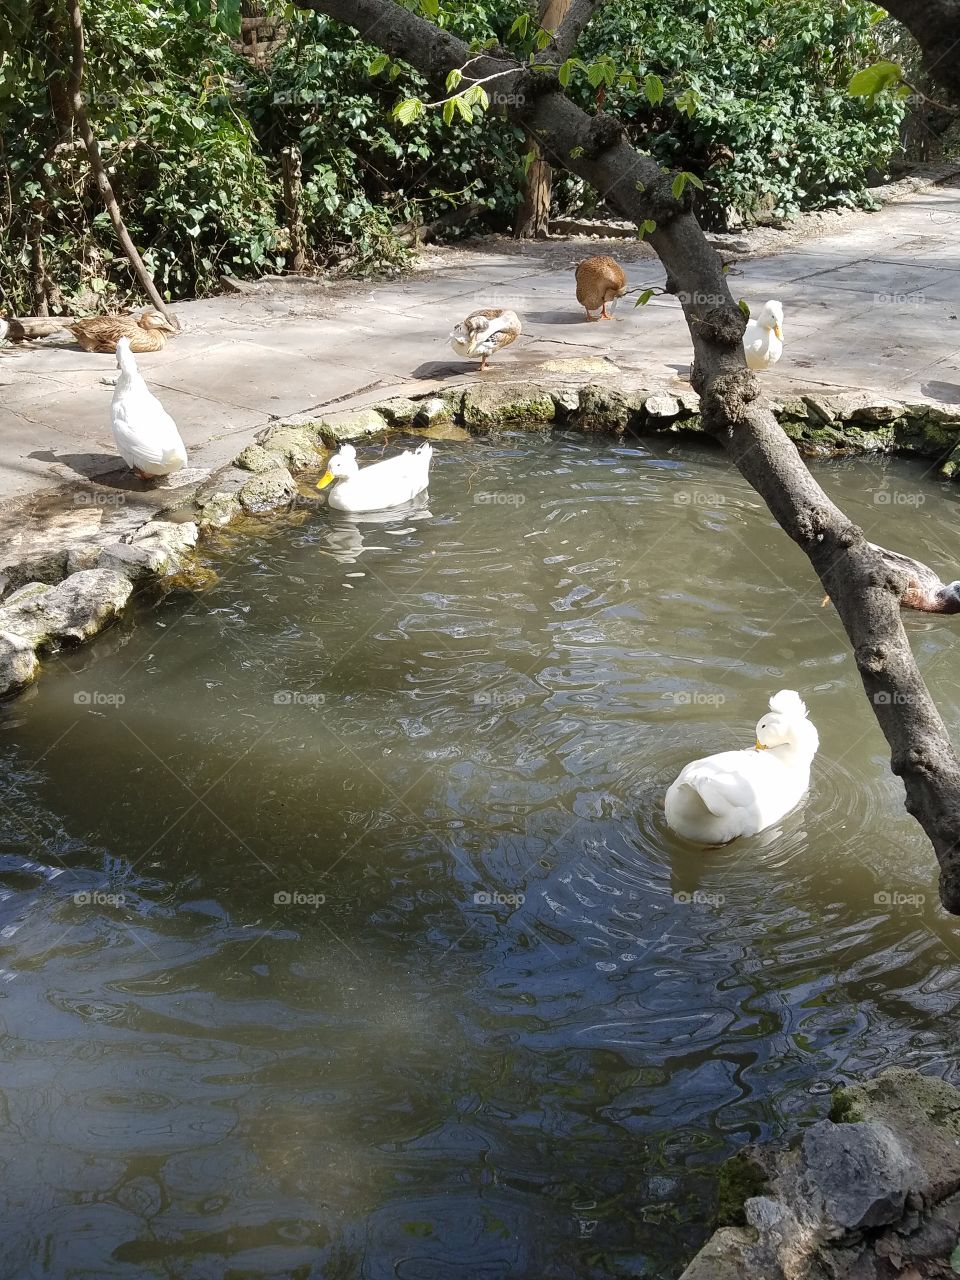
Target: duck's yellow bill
{"points": [[778, 331], [325, 480], [760, 746]]}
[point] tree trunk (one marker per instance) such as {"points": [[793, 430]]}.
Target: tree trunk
{"points": [[96, 162], [866, 590], [290, 160], [533, 216]]}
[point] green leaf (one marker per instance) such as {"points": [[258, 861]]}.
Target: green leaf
{"points": [[520, 26], [542, 38], [380, 63], [955, 1260], [744, 308], [870, 81], [408, 110], [644, 298], [565, 73], [680, 183], [646, 227], [430, 7], [448, 109], [576, 153], [653, 89], [453, 79], [463, 106]]}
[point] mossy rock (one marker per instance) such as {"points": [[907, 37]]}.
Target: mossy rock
{"points": [[217, 509], [256, 459], [354, 424], [267, 491], [603, 409], [489, 407], [294, 447], [740, 1178], [399, 411]]}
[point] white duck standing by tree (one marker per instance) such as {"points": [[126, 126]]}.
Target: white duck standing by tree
{"points": [[763, 337], [145, 435], [738, 793]]}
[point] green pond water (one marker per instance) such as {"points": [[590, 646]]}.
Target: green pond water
{"points": [[341, 934]]}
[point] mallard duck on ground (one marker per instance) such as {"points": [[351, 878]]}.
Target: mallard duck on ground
{"points": [[739, 793], [763, 337], [381, 485], [484, 332], [146, 332], [145, 435], [600, 282]]}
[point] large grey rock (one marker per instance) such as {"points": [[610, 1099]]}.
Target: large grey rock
{"points": [[267, 491], [157, 550], [489, 406], [293, 447], [73, 610], [661, 406], [18, 662], [862, 1172], [218, 508], [356, 424], [603, 408], [257, 459]]}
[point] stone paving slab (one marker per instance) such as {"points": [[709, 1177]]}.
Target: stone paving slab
{"points": [[871, 307]]}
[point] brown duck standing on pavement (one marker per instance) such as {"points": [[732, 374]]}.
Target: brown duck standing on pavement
{"points": [[147, 332], [599, 281]]}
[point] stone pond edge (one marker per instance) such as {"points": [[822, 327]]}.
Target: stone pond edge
{"points": [[70, 600]]}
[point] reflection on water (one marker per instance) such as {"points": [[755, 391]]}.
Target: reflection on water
{"points": [[342, 935]]}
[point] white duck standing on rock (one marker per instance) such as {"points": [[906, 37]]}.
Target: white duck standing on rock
{"points": [[378, 487], [763, 337], [738, 793], [145, 435], [484, 332]]}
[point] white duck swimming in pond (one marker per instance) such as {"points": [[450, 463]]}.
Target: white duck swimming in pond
{"points": [[738, 793], [381, 485], [763, 337], [145, 435]]}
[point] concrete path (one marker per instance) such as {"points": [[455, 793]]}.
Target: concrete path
{"points": [[873, 307]]}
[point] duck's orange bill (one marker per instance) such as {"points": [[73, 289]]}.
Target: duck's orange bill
{"points": [[325, 480]]}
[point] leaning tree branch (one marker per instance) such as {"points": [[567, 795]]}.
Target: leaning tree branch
{"points": [[96, 160], [866, 589], [935, 25], [568, 34]]}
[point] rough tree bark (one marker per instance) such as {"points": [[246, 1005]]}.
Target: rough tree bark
{"points": [[96, 161], [533, 216], [935, 25], [865, 588]]}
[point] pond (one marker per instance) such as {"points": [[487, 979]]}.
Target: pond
{"points": [[342, 932]]}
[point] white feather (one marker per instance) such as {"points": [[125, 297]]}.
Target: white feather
{"points": [[145, 435]]}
